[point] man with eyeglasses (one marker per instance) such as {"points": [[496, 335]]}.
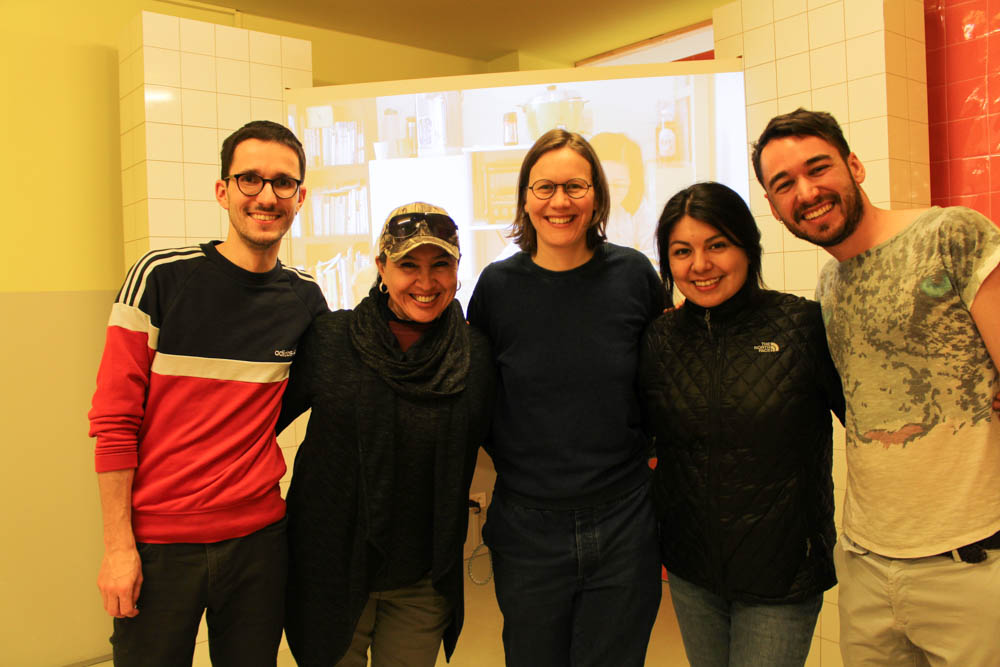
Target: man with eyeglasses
{"points": [[197, 355]]}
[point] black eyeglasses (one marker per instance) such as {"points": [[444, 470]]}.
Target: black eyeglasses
{"points": [[405, 225], [251, 184], [575, 188]]}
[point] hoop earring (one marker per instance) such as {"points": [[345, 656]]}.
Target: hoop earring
{"points": [[382, 287], [459, 286]]}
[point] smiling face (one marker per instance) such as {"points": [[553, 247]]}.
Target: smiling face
{"points": [[812, 190], [421, 284], [560, 222], [257, 223], [706, 267]]}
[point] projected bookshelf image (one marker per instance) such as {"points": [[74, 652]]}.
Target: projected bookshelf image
{"points": [[461, 147]]}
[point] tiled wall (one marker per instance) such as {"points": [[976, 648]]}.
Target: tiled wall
{"points": [[963, 85], [864, 62], [184, 86]]}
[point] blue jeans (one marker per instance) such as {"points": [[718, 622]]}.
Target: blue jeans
{"points": [[720, 633], [577, 587]]}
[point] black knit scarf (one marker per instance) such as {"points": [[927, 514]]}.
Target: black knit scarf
{"points": [[434, 366]]}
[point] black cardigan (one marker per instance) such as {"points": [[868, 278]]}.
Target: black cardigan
{"points": [[738, 398], [339, 501]]}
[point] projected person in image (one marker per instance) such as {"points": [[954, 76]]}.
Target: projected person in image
{"points": [[630, 221], [400, 390], [737, 386], [571, 527]]}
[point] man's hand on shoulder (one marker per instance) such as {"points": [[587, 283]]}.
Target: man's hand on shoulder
{"points": [[120, 580]]}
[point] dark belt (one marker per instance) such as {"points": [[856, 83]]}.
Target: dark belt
{"points": [[976, 552]]}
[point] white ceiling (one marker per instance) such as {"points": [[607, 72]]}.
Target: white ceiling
{"points": [[563, 32]]}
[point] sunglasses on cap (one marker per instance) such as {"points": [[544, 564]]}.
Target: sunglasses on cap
{"points": [[405, 225]]}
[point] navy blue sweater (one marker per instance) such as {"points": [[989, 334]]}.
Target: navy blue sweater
{"points": [[567, 430]]}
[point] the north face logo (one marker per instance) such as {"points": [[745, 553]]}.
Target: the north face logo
{"points": [[767, 347]]}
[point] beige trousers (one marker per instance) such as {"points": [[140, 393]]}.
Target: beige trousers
{"points": [[932, 611], [403, 628]]}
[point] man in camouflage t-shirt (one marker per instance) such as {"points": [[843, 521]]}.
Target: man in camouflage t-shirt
{"points": [[911, 302]]}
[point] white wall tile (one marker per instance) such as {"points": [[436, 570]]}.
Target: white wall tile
{"points": [[128, 222], [833, 100], [163, 142], [865, 55], [197, 71], [296, 53], [138, 134], [772, 268], [916, 60], [917, 100], [160, 30], [199, 182], [127, 149], [867, 97], [898, 139], [758, 46], [791, 36], [199, 108], [265, 81], [758, 116], [895, 53], [130, 72], [234, 111], [161, 104], [233, 76], [130, 38], [793, 75], [200, 145], [134, 250], [862, 17], [128, 186], [801, 269], [267, 110], [895, 15], [920, 184], [761, 83], [265, 48], [126, 119], [233, 43], [793, 243], [164, 180], [166, 217], [919, 143], [785, 8], [198, 37], [816, 4], [770, 233], [165, 242], [826, 25], [913, 15], [830, 654], [899, 180], [727, 20], [876, 183], [300, 78], [201, 218], [793, 102], [897, 96], [828, 65], [161, 67]]}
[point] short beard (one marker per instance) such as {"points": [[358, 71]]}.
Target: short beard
{"points": [[853, 210]]}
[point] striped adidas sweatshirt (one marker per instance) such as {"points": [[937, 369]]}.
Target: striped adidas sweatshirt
{"points": [[189, 388]]}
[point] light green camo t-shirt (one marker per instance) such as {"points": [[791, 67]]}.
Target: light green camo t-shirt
{"points": [[923, 444]]}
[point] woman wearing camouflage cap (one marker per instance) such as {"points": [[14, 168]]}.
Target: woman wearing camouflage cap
{"points": [[400, 389]]}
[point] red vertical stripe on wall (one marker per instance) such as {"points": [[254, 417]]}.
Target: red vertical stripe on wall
{"points": [[963, 110]]}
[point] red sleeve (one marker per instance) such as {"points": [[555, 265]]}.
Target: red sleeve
{"points": [[119, 402]]}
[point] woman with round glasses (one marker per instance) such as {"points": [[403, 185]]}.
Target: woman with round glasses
{"points": [[571, 527], [737, 386], [400, 390]]}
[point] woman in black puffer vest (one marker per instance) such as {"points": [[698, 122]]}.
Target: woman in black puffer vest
{"points": [[737, 387]]}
